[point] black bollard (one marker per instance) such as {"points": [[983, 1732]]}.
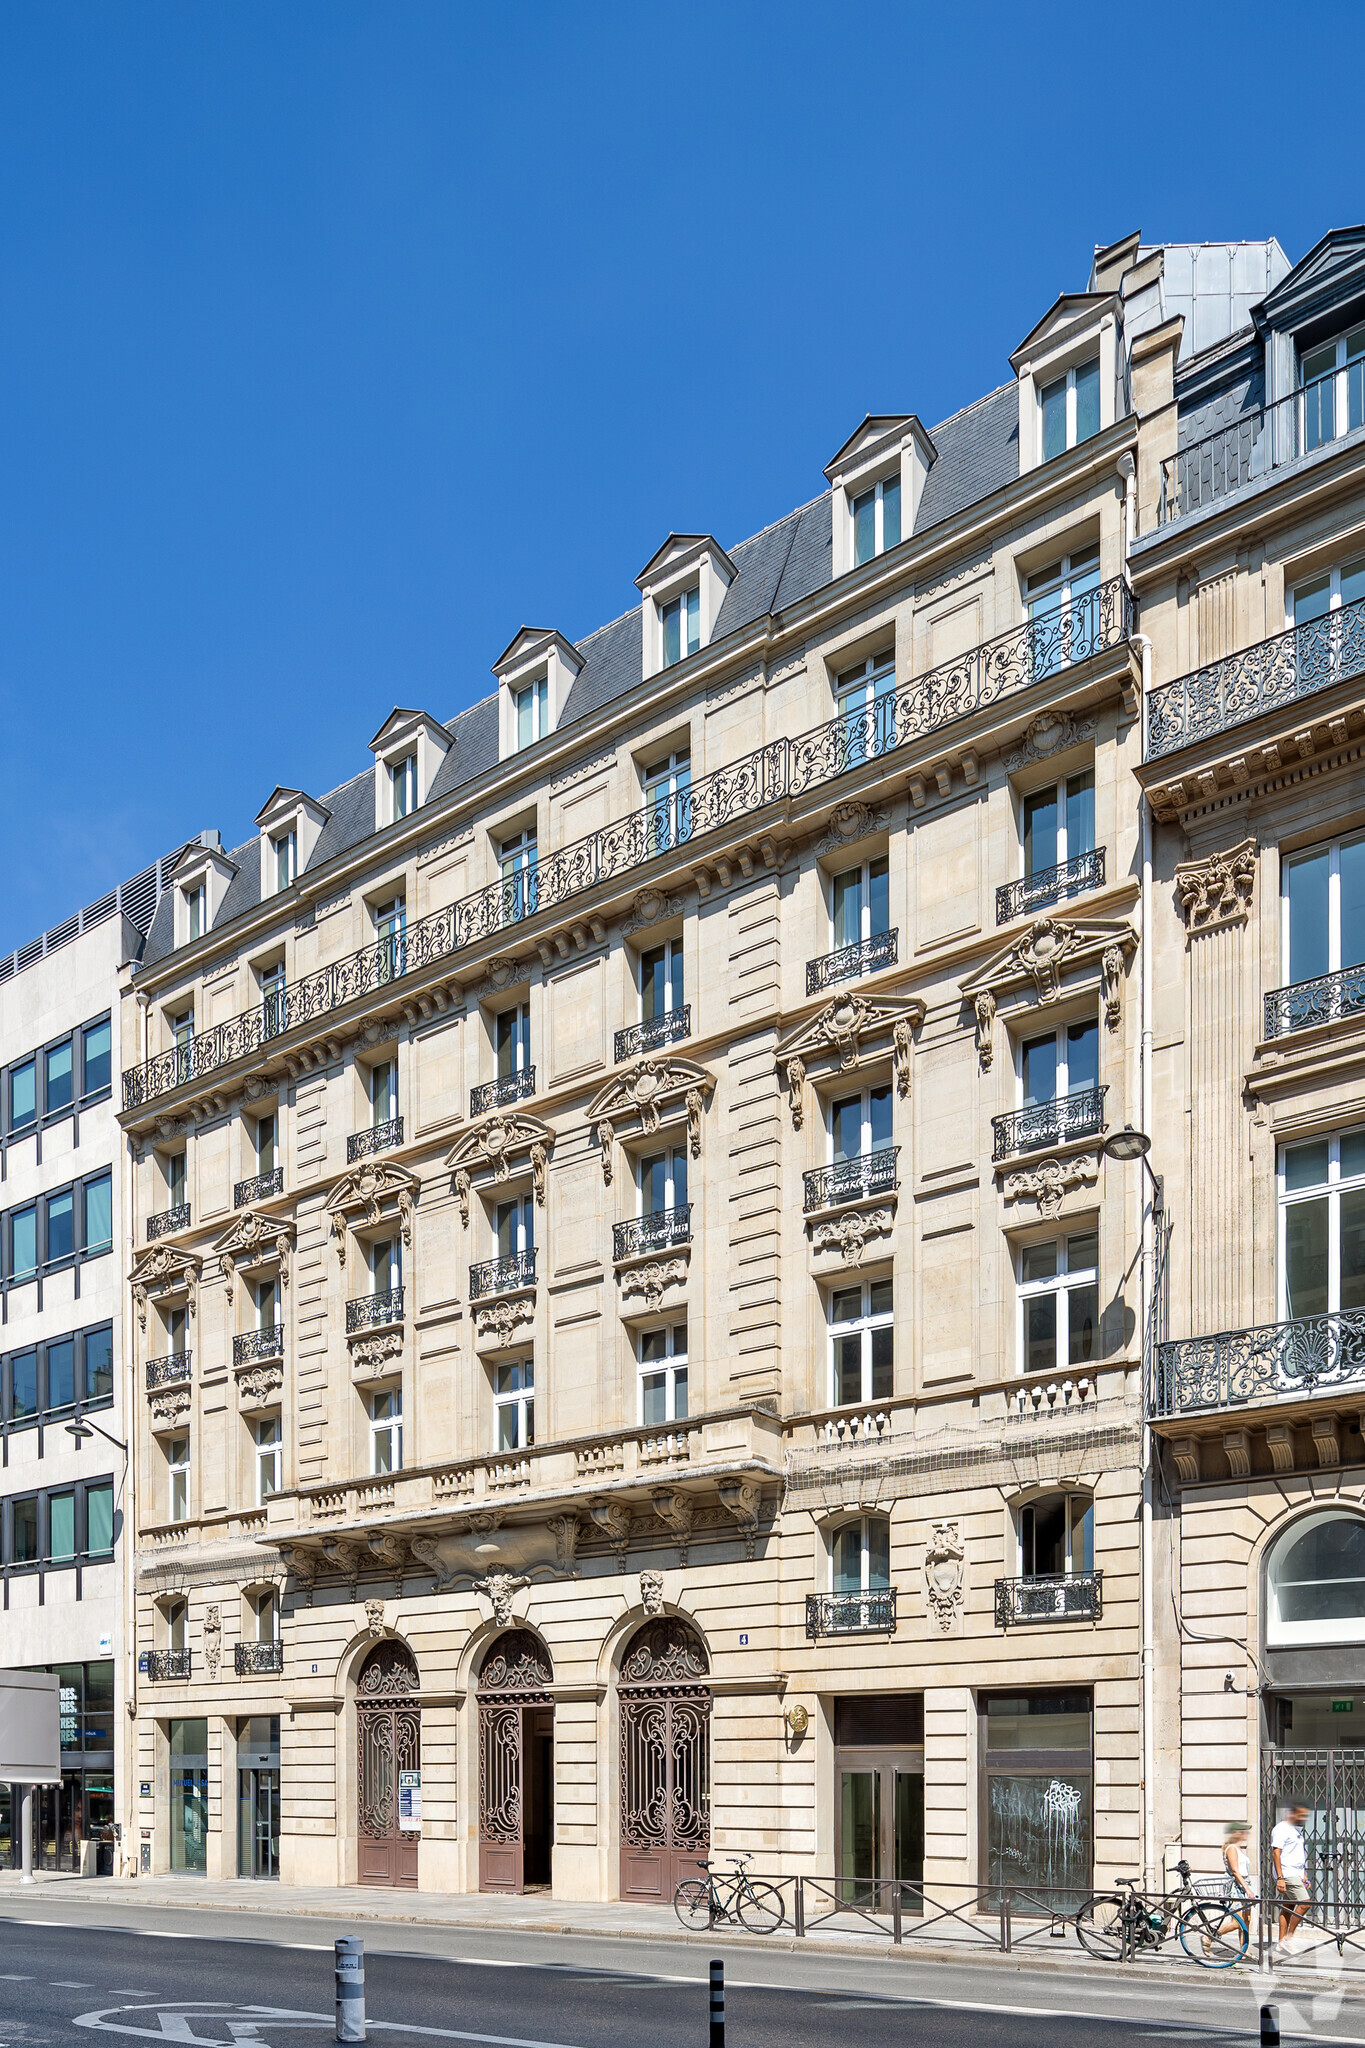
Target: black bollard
{"points": [[1270, 2026], [717, 2005], [350, 1975]]}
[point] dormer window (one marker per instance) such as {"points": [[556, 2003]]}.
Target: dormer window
{"points": [[286, 859], [403, 787], [408, 751], [681, 623], [1072, 382], [1069, 409], [877, 520], [1333, 389], [290, 824], [876, 479], [533, 713], [682, 590], [535, 673]]}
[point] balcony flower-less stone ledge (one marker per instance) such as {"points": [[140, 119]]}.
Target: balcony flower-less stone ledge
{"points": [[842, 1036], [771, 780]]}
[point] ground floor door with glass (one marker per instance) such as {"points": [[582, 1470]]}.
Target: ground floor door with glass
{"points": [[189, 1789], [258, 1823], [879, 1799]]}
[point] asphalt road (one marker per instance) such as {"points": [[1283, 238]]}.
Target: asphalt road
{"points": [[188, 1978]]}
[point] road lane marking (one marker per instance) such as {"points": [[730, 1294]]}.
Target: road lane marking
{"points": [[175, 2023]]}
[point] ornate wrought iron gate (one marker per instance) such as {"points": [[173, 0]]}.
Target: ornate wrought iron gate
{"points": [[1331, 1784], [389, 1740], [512, 1685], [665, 1760]]}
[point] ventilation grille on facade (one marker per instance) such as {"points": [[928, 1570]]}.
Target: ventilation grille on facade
{"points": [[137, 901]]}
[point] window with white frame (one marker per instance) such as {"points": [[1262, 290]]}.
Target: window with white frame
{"points": [[182, 1030], [860, 1556], [668, 801], [390, 930], [532, 708], [876, 516], [1315, 1581], [861, 1344], [178, 1478], [1322, 909], [512, 1040], [1059, 1303], [1069, 409], [269, 1445], [383, 1090], [1333, 395], [1056, 1536], [266, 1615], [663, 1375], [860, 902], [1062, 601], [516, 1227], [514, 1407], [274, 1000], [1322, 1225], [174, 1163], [386, 1430], [196, 900], [1060, 1063], [265, 1143], [385, 1261], [266, 1303], [680, 626], [402, 788], [1059, 822], [177, 1329], [662, 1181], [661, 980], [286, 859], [517, 866], [176, 1613], [866, 699], [859, 1124], [1336, 647]]}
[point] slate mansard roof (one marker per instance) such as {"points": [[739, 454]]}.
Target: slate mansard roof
{"points": [[977, 454]]}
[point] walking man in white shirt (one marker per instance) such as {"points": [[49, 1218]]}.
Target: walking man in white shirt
{"points": [[1289, 1855]]}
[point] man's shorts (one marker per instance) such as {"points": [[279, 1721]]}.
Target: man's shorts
{"points": [[1297, 1890]]}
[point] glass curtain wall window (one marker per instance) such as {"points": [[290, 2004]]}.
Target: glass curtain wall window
{"points": [[862, 1355], [1059, 1303], [1322, 1226], [23, 1098], [1059, 823], [1069, 409], [403, 787], [1333, 389], [386, 1431], [516, 1227], [663, 1375], [517, 861], [96, 1057], [1322, 910], [286, 860], [61, 1226], [532, 707], [1062, 602], [1057, 1536], [269, 1449], [178, 1476], [661, 980], [866, 702], [860, 900], [23, 1242], [668, 801], [663, 1181], [513, 1033], [859, 1124], [860, 1556], [57, 1077], [98, 1220], [1062, 1062], [876, 520], [514, 1408], [680, 626], [390, 927]]}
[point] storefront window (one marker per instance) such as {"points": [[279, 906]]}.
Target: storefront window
{"points": [[189, 1742], [1038, 1798]]}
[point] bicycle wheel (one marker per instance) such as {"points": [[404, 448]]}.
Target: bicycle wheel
{"points": [[1099, 1926], [760, 1908], [1213, 1934], [692, 1904]]}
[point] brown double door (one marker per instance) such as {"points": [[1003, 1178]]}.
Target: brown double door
{"points": [[665, 1790], [516, 1793], [390, 1741]]}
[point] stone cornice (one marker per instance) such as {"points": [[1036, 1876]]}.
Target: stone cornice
{"points": [[1264, 758]]}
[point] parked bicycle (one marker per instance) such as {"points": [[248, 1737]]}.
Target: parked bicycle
{"points": [[1213, 1931], [701, 1903]]}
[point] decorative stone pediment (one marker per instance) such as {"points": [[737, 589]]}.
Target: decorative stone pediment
{"points": [[501, 1319], [1041, 957], [162, 1269], [840, 1028], [260, 1386], [360, 1195], [1049, 1181], [491, 1147], [169, 1406], [652, 1279], [1217, 890], [254, 1240], [377, 1355], [848, 1232], [650, 1088]]}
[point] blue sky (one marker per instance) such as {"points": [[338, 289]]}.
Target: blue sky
{"points": [[339, 338]]}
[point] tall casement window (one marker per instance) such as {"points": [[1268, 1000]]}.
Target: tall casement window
{"points": [[516, 1227], [517, 865], [661, 980], [859, 1124], [663, 1375], [386, 1430], [390, 930], [1057, 1536], [268, 1453], [1069, 409], [1333, 400], [668, 801], [860, 901], [403, 787], [385, 1262], [265, 1144], [512, 1036], [876, 520], [860, 1556], [1322, 1225], [680, 626], [383, 1092], [1330, 607], [1060, 1063], [514, 1406], [174, 1164], [274, 1006], [866, 699], [1322, 910], [178, 1478], [1063, 607], [1059, 1303], [195, 913], [286, 859], [663, 1181], [532, 706], [1059, 823], [861, 1341]]}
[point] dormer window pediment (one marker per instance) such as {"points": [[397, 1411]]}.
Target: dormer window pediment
{"points": [[290, 824], [408, 750], [876, 478], [1069, 370], [535, 675], [682, 589]]}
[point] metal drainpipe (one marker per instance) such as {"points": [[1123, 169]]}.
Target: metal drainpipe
{"points": [[1151, 1877]]}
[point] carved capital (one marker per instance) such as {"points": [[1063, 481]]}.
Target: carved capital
{"points": [[1217, 890]]}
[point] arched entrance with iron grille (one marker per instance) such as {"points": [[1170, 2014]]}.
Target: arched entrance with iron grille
{"points": [[388, 1743], [516, 1764], [665, 1759]]}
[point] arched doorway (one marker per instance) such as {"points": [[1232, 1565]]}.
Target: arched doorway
{"points": [[665, 1759], [516, 1764], [388, 1742]]}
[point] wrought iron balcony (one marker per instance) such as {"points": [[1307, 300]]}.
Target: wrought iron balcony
{"points": [[251, 1659], [848, 963], [1263, 438], [372, 1311], [849, 1180], [654, 1032], [501, 1276], [851, 1614], [1047, 886], [652, 1233], [1078, 1115], [507, 1088], [1324, 1001], [164, 1372], [1265, 677], [1241, 1368], [258, 1190], [162, 1225], [1055, 1596], [267, 1343], [378, 1138], [168, 1664], [772, 776]]}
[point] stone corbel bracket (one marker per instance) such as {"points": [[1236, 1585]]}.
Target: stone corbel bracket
{"points": [[1041, 959], [161, 1270], [650, 1278], [1049, 1181], [254, 1240], [642, 1094], [492, 1146], [842, 1030], [302, 1562], [362, 1195], [741, 1499], [260, 1385], [846, 1234]]}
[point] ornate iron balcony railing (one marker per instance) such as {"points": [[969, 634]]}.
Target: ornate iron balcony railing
{"points": [[1323, 1001], [654, 1032], [501, 1276], [1078, 1115], [652, 1233], [369, 1311], [267, 1343], [258, 1190], [164, 1372], [851, 1614], [1237, 1368], [847, 963], [1047, 886], [1057, 1596], [378, 1138], [507, 1088], [250, 1659], [177, 1218], [849, 1180], [168, 1664], [773, 775], [1264, 677], [1263, 438]]}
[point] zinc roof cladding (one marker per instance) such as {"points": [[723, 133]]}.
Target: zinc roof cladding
{"points": [[978, 453]]}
